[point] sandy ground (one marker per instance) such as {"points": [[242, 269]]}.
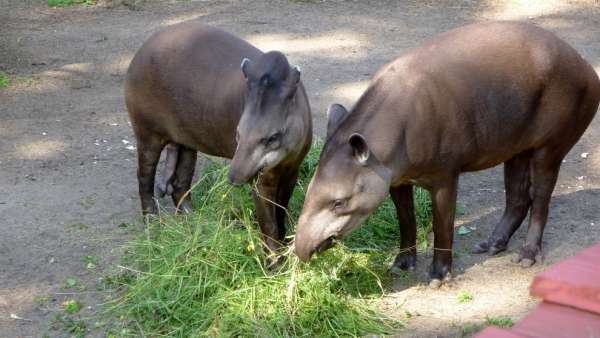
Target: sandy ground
{"points": [[68, 178]]}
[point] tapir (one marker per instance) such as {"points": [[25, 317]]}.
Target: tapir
{"points": [[467, 100], [198, 88]]}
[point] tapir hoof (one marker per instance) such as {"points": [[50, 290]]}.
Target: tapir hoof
{"points": [[481, 247], [149, 216], [186, 207], [404, 262], [493, 249], [436, 283], [527, 257]]}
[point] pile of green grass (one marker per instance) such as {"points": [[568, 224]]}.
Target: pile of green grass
{"points": [[206, 274]]}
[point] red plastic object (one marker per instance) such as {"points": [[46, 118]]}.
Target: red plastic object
{"points": [[555, 321], [573, 282]]}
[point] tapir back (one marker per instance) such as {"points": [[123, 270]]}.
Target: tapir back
{"points": [[185, 83], [476, 96]]}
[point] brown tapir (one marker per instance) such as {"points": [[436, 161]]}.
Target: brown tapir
{"points": [[472, 98], [185, 88]]}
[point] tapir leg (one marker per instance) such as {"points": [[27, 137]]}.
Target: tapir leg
{"points": [[443, 196], [184, 172], [149, 148], [287, 182], [544, 172], [580, 107], [402, 196], [517, 183], [264, 195]]}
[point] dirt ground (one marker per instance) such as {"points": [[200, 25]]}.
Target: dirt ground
{"points": [[67, 168]]}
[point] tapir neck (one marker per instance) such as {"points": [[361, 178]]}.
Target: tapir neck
{"points": [[302, 108], [382, 120]]}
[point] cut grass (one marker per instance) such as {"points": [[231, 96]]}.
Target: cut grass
{"points": [[504, 322], [63, 3], [206, 274], [75, 327], [72, 306], [4, 80]]}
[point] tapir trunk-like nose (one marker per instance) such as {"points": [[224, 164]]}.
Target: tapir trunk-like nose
{"points": [[239, 174], [305, 241], [241, 169]]}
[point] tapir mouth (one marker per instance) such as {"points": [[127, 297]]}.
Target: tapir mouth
{"points": [[238, 181], [326, 244]]}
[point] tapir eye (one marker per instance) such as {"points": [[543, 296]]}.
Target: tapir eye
{"points": [[273, 140], [339, 204]]}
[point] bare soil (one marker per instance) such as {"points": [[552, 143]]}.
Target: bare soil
{"points": [[68, 178]]}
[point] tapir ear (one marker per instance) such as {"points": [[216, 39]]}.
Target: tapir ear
{"points": [[244, 66], [291, 83], [335, 115], [360, 149]]}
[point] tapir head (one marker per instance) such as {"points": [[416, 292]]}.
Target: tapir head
{"points": [[349, 184], [270, 127]]}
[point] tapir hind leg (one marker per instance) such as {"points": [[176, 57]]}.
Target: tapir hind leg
{"points": [[578, 108], [517, 183], [149, 148], [402, 196], [544, 172], [184, 172]]}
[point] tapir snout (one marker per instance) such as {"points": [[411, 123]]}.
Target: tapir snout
{"points": [[309, 240], [241, 172]]}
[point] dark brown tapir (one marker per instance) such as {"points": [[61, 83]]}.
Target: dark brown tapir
{"points": [[472, 98], [185, 88]]}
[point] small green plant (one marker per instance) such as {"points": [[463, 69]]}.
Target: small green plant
{"points": [[80, 226], [464, 297], [470, 329], [4, 80], [71, 282], [91, 262], [499, 321], [76, 327], [41, 298], [63, 3], [71, 306]]}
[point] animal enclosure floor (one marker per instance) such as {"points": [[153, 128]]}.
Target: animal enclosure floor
{"points": [[67, 164]]}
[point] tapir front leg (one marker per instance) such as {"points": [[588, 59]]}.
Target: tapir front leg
{"points": [[287, 182], [443, 196], [402, 196], [265, 193]]}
